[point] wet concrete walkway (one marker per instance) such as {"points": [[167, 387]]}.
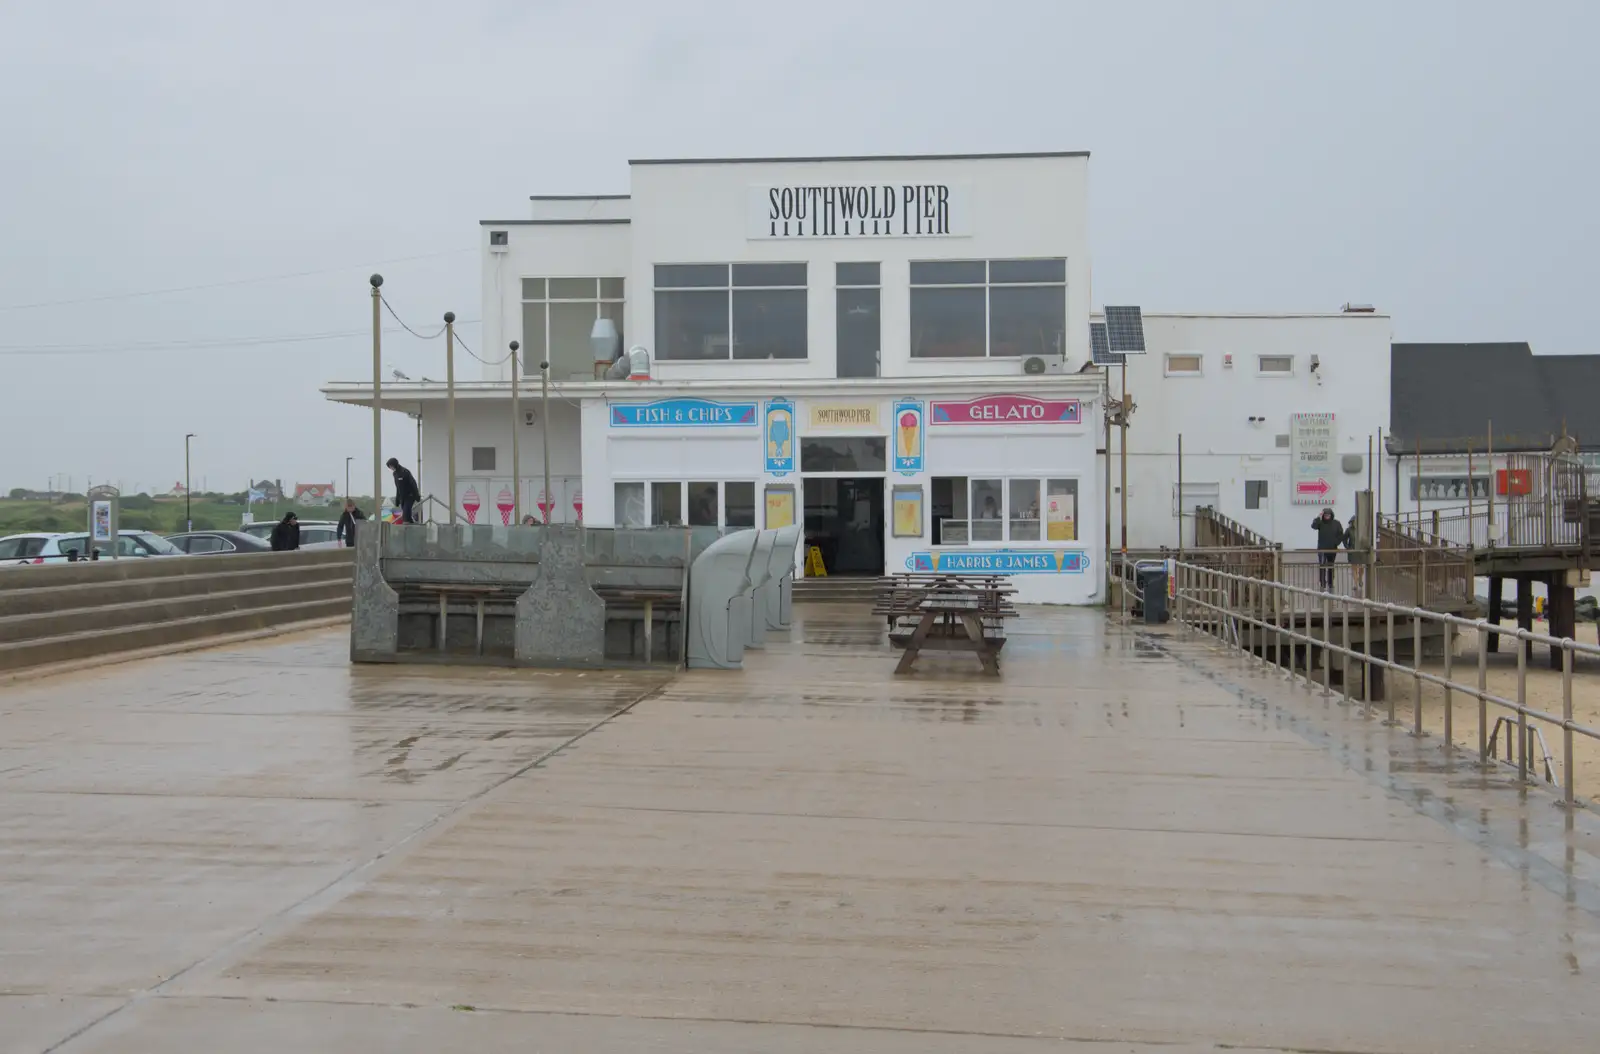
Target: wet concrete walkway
{"points": [[1133, 838]]}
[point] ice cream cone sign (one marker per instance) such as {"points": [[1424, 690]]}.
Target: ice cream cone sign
{"points": [[544, 506], [470, 504], [505, 503], [908, 434], [577, 505]]}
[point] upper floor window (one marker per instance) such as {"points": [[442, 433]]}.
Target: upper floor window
{"points": [[558, 316], [1277, 365], [858, 327], [730, 311], [1183, 364], [988, 308]]}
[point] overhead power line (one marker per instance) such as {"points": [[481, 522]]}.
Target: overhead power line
{"points": [[212, 343], [228, 284]]}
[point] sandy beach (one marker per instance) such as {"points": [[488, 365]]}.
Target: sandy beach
{"points": [[1544, 692]]}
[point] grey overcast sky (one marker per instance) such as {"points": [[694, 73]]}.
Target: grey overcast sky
{"points": [[1432, 157]]}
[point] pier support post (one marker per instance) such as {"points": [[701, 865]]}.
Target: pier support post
{"points": [[1497, 587], [1563, 614], [1525, 608]]}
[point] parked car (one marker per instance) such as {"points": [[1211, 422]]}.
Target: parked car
{"points": [[319, 533], [46, 548], [216, 543]]}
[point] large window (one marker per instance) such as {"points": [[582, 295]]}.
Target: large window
{"points": [[858, 327], [988, 308], [737, 311], [1018, 509], [674, 503], [558, 316]]}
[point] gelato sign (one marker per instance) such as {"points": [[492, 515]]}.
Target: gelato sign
{"points": [[1009, 410], [858, 210], [682, 413], [1001, 561]]}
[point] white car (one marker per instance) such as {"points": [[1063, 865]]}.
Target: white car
{"points": [[322, 534], [51, 548]]}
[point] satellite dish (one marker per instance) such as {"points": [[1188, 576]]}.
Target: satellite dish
{"points": [[1033, 364]]}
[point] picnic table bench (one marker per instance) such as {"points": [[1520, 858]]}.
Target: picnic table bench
{"points": [[947, 612], [478, 594]]}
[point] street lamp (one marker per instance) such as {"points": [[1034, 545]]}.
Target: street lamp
{"points": [[188, 517], [347, 475]]}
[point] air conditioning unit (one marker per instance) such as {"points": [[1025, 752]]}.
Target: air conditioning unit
{"points": [[1037, 364], [529, 417]]}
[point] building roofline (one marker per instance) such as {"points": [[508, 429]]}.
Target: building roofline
{"points": [[554, 223], [577, 197], [1099, 314], [855, 157]]}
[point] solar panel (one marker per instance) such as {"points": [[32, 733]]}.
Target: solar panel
{"points": [[1125, 330], [1100, 346]]}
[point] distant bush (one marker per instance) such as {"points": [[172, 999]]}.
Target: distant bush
{"points": [[138, 502]]}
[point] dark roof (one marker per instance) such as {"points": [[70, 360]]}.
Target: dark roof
{"points": [[1450, 396], [866, 157]]}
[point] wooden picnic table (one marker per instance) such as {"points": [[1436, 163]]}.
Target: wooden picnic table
{"points": [[899, 595], [956, 618]]}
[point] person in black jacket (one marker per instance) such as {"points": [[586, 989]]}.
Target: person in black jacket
{"points": [[1330, 535], [286, 535], [346, 531], [406, 491]]}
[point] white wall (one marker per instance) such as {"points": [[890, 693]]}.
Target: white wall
{"points": [[697, 213], [1212, 412], [723, 454], [541, 250], [487, 423], [579, 207]]}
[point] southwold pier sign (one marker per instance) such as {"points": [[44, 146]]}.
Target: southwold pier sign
{"points": [[859, 210]]}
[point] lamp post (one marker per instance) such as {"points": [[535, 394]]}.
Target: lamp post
{"points": [[188, 516], [516, 419], [450, 404], [377, 396], [347, 475]]}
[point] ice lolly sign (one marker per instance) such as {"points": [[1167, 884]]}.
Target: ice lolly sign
{"points": [[908, 434]]}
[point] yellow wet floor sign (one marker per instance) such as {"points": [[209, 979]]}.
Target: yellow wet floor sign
{"points": [[814, 565]]}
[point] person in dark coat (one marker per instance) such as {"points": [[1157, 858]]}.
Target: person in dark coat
{"points": [[1330, 535], [406, 491], [346, 531], [286, 535]]}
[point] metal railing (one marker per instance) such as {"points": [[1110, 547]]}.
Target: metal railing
{"points": [[1260, 618], [1213, 529]]}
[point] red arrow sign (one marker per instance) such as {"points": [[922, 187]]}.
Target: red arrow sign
{"points": [[1320, 486]]}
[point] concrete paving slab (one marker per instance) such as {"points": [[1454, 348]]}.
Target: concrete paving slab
{"points": [[256, 1027], [31, 1023], [155, 814], [1133, 841]]}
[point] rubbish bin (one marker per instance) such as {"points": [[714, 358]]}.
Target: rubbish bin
{"points": [[1152, 575]]}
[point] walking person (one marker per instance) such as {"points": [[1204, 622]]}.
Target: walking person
{"points": [[346, 531], [286, 535], [1330, 535], [406, 491], [1357, 555]]}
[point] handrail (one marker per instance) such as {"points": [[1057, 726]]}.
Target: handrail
{"points": [[1220, 603]]}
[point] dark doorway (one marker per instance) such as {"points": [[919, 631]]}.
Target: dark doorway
{"points": [[844, 519]]}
